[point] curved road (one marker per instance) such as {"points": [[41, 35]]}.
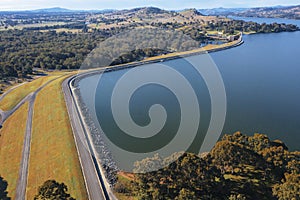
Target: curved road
{"points": [[96, 184], [11, 89], [92, 172]]}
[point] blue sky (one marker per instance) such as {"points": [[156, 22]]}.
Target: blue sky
{"points": [[121, 4]]}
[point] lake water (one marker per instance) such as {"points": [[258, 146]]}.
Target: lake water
{"points": [[263, 85], [262, 82]]}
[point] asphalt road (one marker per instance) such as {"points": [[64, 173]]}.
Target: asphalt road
{"points": [[11, 89], [96, 185], [93, 179], [6, 114], [23, 172]]}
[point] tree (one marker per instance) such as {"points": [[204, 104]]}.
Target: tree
{"points": [[3, 187], [237, 197], [186, 194], [189, 177], [239, 167], [52, 190], [148, 164], [289, 189]]}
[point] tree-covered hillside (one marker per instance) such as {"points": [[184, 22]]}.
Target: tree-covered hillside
{"points": [[63, 40], [238, 167]]}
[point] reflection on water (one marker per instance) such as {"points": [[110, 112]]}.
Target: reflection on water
{"points": [[262, 84]]}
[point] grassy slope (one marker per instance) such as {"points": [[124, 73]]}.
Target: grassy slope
{"points": [[15, 96], [11, 145], [53, 152]]}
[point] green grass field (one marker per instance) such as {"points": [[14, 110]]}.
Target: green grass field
{"points": [[11, 145], [53, 152]]}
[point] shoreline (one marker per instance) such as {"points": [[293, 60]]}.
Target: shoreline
{"points": [[100, 157], [167, 57], [73, 85], [104, 162]]}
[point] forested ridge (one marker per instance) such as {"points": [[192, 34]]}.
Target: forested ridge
{"points": [[238, 167], [63, 40]]}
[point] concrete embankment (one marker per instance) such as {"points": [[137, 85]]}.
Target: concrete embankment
{"points": [[94, 162], [103, 162]]}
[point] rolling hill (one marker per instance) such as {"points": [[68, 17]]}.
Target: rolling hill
{"points": [[290, 12]]}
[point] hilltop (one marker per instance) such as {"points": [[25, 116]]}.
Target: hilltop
{"points": [[54, 9], [57, 38], [291, 12], [222, 11], [191, 11]]}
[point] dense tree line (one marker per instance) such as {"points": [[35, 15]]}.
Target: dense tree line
{"points": [[138, 55], [42, 47], [197, 30], [21, 51], [76, 25], [239, 25], [137, 44], [14, 18], [238, 167]]}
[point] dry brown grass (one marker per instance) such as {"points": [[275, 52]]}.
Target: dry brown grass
{"points": [[210, 47], [53, 152], [11, 145], [125, 179], [16, 95]]}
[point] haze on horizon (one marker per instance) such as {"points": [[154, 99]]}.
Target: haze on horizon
{"points": [[125, 4]]}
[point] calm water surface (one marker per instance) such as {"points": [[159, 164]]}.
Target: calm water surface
{"points": [[262, 81]]}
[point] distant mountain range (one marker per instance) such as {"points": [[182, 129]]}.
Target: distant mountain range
{"points": [[59, 10], [51, 10], [64, 10], [291, 12], [221, 11]]}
